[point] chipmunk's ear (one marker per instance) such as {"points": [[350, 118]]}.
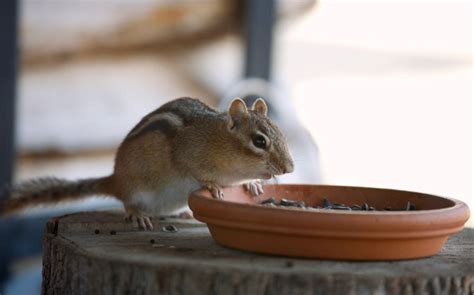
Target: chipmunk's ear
{"points": [[260, 107], [237, 112]]}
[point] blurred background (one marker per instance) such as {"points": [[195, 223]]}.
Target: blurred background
{"points": [[384, 88]]}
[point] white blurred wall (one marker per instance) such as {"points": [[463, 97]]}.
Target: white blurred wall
{"points": [[386, 89]]}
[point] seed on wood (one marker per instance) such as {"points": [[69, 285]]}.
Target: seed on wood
{"points": [[112, 232], [289, 263], [169, 228], [152, 241], [97, 231]]}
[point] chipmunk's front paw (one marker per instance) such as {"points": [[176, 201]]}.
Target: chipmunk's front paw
{"points": [[254, 187], [139, 219], [216, 191]]}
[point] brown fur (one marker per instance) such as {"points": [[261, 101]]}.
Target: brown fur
{"points": [[50, 191], [184, 140]]}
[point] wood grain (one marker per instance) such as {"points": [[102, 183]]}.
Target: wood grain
{"points": [[78, 261]]}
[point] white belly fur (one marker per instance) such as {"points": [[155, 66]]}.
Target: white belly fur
{"points": [[168, 199]]}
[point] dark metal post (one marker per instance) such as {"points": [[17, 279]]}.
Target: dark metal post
{"points": [[258, 22], [8, 63]]}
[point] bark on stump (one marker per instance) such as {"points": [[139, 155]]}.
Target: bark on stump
{"points": [[121, 260]]}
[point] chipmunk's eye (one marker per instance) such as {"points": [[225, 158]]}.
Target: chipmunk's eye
{"points": [[259, 141]]}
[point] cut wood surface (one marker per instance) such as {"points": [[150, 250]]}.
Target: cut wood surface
{"points": [[98, 253]]}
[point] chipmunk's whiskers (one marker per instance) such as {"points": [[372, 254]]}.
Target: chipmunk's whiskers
{"points": [[273, 169]]}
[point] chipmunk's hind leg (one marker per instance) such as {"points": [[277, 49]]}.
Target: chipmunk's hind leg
{"points": [[139, 218]]}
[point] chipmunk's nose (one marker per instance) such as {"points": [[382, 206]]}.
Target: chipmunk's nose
{"points": [[288, 168]]}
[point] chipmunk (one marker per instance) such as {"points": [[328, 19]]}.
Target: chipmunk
{"points": [[180, 147]]}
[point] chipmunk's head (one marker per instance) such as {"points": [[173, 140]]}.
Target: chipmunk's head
{"points": [[262, 148]]}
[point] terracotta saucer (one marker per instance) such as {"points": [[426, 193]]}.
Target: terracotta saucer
{"points": [[240, 222]]}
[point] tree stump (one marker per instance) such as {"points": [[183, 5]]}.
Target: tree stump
{"points": [[98, 253]]}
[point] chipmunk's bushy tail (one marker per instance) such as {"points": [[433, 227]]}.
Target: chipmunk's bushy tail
{"points": [[50, 191]]}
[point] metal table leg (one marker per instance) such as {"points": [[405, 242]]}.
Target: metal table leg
{"points": [[258, 22], [8, 62], [8, 49]]}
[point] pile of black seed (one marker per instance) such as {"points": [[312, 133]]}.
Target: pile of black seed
{"points": [[335, 206]]}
